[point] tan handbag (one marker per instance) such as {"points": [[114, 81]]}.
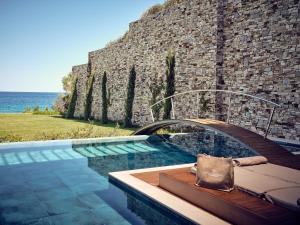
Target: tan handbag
{"points": [[215, 173]]}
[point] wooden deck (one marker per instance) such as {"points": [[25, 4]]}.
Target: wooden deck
{"points": [[237, 199], [236, 207], [271, 150]]}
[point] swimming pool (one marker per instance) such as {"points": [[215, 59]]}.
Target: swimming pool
{"points": [[291, 147], [66, 182]]}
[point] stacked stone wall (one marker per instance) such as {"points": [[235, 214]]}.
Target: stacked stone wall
{"points": [[187, 29], [81, 73], [247, 46], [261, 57]]}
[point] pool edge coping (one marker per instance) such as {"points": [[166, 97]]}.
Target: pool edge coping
{"points": [[71, 141], [168, 200]]}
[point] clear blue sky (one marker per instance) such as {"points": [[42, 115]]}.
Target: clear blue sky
{"points": [[40, 40]]}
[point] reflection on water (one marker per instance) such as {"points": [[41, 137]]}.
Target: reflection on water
{"points": [[209, 142], [137, 209]]}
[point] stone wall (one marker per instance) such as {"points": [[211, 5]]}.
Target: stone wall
{"points": [[261, 57], [187, 29], [81, 73], [247, 46]]}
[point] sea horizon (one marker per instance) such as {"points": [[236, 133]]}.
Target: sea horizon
{"points": [[33, 92], [17, 101]]}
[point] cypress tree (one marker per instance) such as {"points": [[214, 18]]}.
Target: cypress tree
{"points": [[170, 86], [155, 88], [104, 99], [130, 98], [89, 99], [72, 104]]}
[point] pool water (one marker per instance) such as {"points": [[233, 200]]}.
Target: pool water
{"points": [[291, 147], [68, 183]]}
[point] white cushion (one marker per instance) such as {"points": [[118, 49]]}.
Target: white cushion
{"points": [[286, 197], [276, 171], [257, 183]]}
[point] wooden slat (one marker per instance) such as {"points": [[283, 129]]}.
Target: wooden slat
{"points": [[149, 177]]}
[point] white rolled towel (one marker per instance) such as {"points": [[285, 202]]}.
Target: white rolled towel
{"points": [[250, 161], [247, 161], [194, 169]]}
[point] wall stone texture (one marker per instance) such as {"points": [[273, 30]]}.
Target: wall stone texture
{"points": [[247, 46], [81, 73]]}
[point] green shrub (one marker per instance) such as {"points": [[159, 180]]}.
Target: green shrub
{"points": [[170, 84], [160, 7], [68, 82], [89, 99], [153, 10], [10, 138], [104, 99], [36, 110], [203, 105], [170, 3], [130, 98], [61, 104], [109, 100], [114, 132], [72, 104], [122, 39], [125, 37], [27, 110], [88, 131]]}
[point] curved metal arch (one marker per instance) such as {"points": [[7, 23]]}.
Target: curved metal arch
{"points": [[216, 90], [153, 127], [229, 103], [251, 140]]}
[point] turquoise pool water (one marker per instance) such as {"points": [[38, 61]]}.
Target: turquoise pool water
{"points": [[68, 183], [290, 146]]}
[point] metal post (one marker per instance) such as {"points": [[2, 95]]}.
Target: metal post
{"points": [[198, 105], [173, 110], [151, 113], [228, 110], [269, 122]]}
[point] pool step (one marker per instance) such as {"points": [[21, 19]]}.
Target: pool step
{"points": [[39, 156], [16, 158], [109, 150]]}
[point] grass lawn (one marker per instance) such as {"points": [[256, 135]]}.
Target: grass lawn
{"points": [[28, 127]]}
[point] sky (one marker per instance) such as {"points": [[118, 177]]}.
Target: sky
{"points": [[40, 40]]}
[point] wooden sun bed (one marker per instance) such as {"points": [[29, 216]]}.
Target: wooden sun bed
{"points": [[236, 207]]}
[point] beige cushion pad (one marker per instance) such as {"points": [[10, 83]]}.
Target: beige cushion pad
{"points": [[257, 183], [286, 197], [276, 171], [280, 185]]}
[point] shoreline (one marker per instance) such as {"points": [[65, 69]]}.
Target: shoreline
{"points": [[36, 92], [12, 113]]}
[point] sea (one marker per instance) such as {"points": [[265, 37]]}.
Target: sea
{"points": [[16, 102]]}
